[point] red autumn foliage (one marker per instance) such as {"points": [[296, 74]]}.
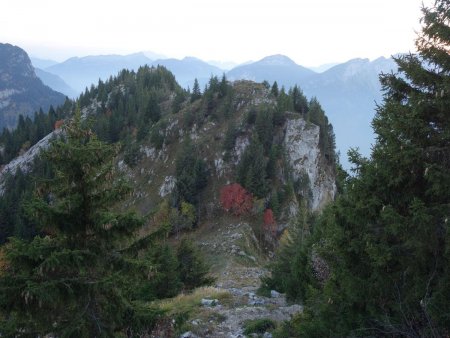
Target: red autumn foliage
{"points": [[235, 199], [270, 225], [58, 124]]}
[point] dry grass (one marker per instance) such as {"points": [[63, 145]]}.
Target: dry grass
{"points": [[186, 303]]}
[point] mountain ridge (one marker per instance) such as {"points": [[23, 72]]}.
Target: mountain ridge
{"points": [[348, 91]]}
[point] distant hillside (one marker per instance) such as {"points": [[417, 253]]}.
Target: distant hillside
{"points": [[55, 83], [21, 91], [80, 73], [278, 68], [42, 63], [323, 68], [189, 68]]}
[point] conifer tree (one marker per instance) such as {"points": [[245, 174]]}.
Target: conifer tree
{"points": [[386, 238], [73, 280], [192, 267], [299, 100], [274, 90], [251, 170], [196, 93]]}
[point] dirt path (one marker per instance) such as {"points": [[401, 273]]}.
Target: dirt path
{"points": [[239, 274]]}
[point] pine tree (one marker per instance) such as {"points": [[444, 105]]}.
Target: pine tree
{"points": [[264, 128], [274, 90], [251, 170], [230, 140], [191, 174], [223, 87], [165, 281], [192, 268], [196, 93], [299, 100], [74, 279]]}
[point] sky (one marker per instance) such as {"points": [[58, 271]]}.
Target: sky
{"points": [[311, 32]]}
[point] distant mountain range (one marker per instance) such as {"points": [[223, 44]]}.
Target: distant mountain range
{"points": [[56, 83], [189, 68], [80, 73], [348, 92], [21, 91], [278, 68]]}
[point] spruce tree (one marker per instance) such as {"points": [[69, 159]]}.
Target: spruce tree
{"points": [[74, 279], [251, 170], [192, 267], [386, 238], [196, 93]]}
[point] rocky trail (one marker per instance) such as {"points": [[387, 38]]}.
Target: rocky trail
{"points": [[239, 278]]}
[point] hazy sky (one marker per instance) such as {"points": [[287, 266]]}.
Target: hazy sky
{"points": [[311, 32]]}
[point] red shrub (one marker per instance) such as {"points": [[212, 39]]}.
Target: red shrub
{"points": [[235, 199], [270, 225]]}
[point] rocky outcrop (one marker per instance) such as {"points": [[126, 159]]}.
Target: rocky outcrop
{"points": [[25, 161], [21, 91], [304, 156]]}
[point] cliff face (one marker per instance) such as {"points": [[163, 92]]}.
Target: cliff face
{"points": [[21, 91], [303, 153]]}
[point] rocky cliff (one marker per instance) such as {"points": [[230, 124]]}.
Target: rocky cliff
{"points": [[21, 91]]}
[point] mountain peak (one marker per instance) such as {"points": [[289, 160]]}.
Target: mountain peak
{"points": [[277, 60], [191, 59]]}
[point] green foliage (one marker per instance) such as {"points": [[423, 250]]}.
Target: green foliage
{"points": [[157, 135], [29, 131], [264, 128], [274, 90], [12, 215], [271, 167], [224, 87], [191, 175], [251, 170], [299, 101], [251, 116], [135, 102], [191, 266], [132, 154], [386, 238], [178, 101], [74, 280], [327, 142], [183, 219], [164, 281], [274, 204], [230, 139], [259, 325], [196, 93], [284, 102], [292, 271]]}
